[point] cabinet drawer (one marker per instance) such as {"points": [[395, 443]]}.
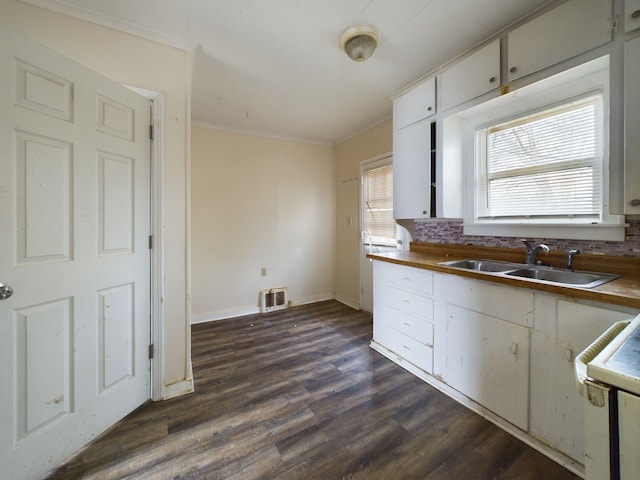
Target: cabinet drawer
{"points": [[414, 327], [408, 278], [409, 349], [410, 303]]}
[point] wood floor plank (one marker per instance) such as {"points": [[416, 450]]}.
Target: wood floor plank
{"points": [[298, 394]]}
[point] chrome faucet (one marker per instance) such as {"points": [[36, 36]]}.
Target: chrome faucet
{"points": [[532, 253], [570, 255]]}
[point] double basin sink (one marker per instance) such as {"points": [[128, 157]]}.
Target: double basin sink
{"points": [[536, 273]]}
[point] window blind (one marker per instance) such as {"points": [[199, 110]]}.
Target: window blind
{"points": [[379, 224], [542, 165]]}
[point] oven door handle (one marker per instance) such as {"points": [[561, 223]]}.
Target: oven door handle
{"points": [[588, 354]]}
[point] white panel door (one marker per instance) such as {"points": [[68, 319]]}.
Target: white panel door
{"points": [[75, 196]]}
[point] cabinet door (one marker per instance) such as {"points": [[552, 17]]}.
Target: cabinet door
{"points": [[577, 326], [488, 360], [570, 29], [416, 104], [471, 77], [412, 171], [631, 15], [632, 127]]}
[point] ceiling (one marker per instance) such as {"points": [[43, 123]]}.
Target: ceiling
{"points": [[274, 67]]}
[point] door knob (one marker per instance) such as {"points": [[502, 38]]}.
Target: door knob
{"points": [[5, 291]]}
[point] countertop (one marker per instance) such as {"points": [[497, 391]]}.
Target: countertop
{"points": [[624, 291]]}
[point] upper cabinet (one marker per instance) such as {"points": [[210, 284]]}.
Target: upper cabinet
{"points": [[473, 76], [570, 29], [412, 151], [416, 104], [412, 171], [632, 126], [631, 15]]}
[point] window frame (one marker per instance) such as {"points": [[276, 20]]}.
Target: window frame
{"points": [[561, 88], [484, 176], [384, 162]]}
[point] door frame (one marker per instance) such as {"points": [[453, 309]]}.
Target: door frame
{"points": [[156, 275], [368, 164]]}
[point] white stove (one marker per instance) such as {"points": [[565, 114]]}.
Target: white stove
{"points": [[608, 375]]}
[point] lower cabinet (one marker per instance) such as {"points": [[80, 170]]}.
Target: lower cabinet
{"points": [[563, 328], [403, 313], [508, 349], [487, 359], [483, 340]]}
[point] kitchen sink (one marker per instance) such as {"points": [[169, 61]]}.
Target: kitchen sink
{"points": [[536, 273], [482, 265], [567, 277]]}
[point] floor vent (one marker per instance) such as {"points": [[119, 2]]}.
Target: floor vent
{"points": [[273, 299]]}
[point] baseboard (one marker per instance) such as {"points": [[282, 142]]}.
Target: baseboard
{"points": [[241, 312], [224, 314], [347, 302], [177, 389], [311, 299]]}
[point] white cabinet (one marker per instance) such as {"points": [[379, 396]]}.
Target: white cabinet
{"points": [[570, 29], [563, 328], [416, 104], [412, 171], [632, 127], [483, 349], [403, 314], [471, 77], [631, 15], [412, 151]]}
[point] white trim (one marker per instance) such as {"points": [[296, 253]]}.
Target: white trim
{"points": [[157, 230], [177, 389], [188, 313], [347, 302], [365, 165], [253, 310], [610, 233], [113, 23]]}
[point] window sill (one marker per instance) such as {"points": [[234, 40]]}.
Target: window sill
{"points": [[611, 233]]}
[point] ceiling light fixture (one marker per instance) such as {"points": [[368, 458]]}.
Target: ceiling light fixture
{"points": [[359, 42]]}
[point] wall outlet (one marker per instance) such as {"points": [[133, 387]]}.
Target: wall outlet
{"points": [[263, 271]]}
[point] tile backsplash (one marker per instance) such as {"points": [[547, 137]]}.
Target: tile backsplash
{"points": [[451, 232]]}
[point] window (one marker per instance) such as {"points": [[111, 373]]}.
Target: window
{"points": [[377, 197], [545, 165], [536, 159]]}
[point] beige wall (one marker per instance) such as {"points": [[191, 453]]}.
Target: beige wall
{"points": [[373, 143], [259, 202], [131, 60]]}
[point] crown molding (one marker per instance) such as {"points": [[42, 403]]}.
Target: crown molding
{"points": [[60, 6]]}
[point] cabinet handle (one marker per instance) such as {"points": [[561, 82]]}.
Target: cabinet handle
{"points": [[513, 69], [635, 14], [407, 324], [429, 109], [514, 348], [635, 202], [492, 79], [406, 348]]}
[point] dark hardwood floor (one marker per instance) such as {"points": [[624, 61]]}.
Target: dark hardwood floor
{"points": [[298, 394]]}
